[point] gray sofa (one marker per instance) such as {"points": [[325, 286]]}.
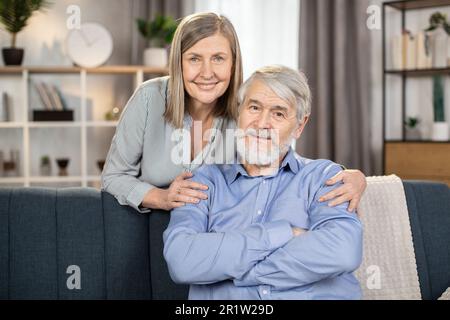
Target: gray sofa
{"points": [[119, 252]]}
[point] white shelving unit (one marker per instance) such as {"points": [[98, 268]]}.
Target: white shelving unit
{"points": [[138, 72]]}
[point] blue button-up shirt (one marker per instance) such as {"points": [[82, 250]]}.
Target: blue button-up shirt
{"points": [[238, 244]]}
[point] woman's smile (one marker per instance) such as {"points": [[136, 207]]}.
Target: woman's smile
{"points": [[206, 85]]}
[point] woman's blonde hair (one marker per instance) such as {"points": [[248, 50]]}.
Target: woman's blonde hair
{"points": [[192, 29]]}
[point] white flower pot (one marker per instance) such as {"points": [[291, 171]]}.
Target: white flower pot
{"points": [[440, 131], [155, 57]]}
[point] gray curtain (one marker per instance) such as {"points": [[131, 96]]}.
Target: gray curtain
{"points": [[335, 55], [148, 9]]}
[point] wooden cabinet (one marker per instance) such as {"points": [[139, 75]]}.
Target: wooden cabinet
{"points": [[418, 160]]}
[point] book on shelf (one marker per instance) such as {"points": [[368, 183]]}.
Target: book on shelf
{"points": [[423, 51], [51, 97], [410, 52], [6, 112], [44, 95], [61, 98], [409, 42], [56, 101]]}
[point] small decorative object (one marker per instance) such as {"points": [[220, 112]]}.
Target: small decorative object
{"points": [[46, 167], [412, 130], [113, 114], [101, 165], [90, 46], [62, 165], [440, 126], [14, 15], [11, 168], [439, 31], [159, 32]]}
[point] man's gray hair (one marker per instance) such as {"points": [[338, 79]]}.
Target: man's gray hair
{"points": [[289, 84]]}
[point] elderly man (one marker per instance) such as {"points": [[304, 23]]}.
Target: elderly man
{"points": [[263, 232]]}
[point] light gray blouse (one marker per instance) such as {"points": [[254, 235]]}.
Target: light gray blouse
{"points": [[146, 150]]}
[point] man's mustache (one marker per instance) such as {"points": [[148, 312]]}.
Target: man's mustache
{"points": [[261, 133]]}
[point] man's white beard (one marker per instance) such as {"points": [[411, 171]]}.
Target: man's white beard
{"points": [[260, 152]]}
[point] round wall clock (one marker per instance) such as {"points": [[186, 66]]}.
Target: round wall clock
{"points": [[90, 46]]}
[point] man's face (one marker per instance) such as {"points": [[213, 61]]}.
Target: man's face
{"points": [[269, 124]]}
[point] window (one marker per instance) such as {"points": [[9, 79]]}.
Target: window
{"points": [[268, 30]]}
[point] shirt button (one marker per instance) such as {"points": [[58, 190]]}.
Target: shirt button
{"points": [[264, 181], [264, 292], [259, 211]]}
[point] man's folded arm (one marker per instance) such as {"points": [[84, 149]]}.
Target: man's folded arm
{"points": [[327, 252], [332, 246], [196, 256]]}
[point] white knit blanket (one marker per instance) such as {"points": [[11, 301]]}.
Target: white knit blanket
{"points": [[388, 270]]}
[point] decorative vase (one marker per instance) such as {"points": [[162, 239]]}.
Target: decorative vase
{"points": [[440, 131], [101, 165], [13, 56], [155, 57], [439, 48], [62, 165]]}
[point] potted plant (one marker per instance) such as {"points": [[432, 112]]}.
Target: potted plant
{"points": [[159, 32], [439, 32], [46, 167], [14, 15], [440, 126], [412, 128]]}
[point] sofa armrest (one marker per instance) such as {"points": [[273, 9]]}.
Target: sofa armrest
{"points": [[445, 295]]}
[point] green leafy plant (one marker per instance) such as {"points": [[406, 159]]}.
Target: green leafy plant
{"points": [[158, 31], [45, 160], [437, 20], [438, 99], [14, 14], [412, 122]]}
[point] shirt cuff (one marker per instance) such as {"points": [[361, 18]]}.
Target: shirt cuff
{"points": [[136, 196], [279, 233]]}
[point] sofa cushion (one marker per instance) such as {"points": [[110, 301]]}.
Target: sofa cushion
{"points": [[5, 195], [429, 211], [127, 251], [33, 244], [80, 243]]}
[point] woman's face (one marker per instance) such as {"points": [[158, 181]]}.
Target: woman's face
{"points": [[207, 69]]}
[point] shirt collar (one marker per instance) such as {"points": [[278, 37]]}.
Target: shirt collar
{"points": [[232, 171]]}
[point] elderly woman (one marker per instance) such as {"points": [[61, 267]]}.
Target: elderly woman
{"points": [[205, 73]]}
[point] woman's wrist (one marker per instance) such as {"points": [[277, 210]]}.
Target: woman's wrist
{"points": [[152, 199]]}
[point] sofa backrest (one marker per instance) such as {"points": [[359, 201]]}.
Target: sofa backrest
{"points": [[43, 232]]}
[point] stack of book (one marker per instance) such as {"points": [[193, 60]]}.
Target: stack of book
{"points": [[55, 107], [411, 51], [51, 97]]}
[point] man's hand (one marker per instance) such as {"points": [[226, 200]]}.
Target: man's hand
{"points": [[298, 231]]}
